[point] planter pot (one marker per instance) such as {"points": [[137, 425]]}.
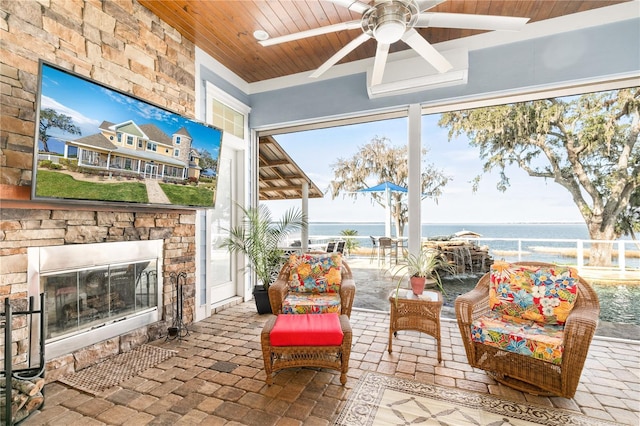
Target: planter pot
{"points": [[261, 297], [417, 284]]}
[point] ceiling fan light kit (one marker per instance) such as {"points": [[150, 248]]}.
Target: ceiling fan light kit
{"points": [[388, 20]]}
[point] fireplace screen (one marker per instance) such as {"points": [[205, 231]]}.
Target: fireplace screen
{"points": [[86, 299]]}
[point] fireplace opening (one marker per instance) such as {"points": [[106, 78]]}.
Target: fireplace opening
{"points": [[83, 299], [95, 292]]}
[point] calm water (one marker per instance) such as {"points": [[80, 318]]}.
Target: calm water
{"points": [[534, 230], [507, 250]]}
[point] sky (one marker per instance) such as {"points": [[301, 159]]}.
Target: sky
{"points": [[89, 104], [527, 200]]}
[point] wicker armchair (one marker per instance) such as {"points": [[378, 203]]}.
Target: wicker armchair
{"points": [[279, 290], [524, 372]]}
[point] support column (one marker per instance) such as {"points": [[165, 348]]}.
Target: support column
{"points": [[304, 232], [415, 188]]}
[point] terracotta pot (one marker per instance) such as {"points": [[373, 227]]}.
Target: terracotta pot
{"points": [[417, 284]]}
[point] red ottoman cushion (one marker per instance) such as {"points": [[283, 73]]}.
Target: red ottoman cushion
{"points": [[307, 330]]}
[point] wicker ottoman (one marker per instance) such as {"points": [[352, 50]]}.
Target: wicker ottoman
{"points": [[278, 357]]}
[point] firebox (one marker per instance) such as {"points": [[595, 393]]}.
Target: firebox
{"points": [[95, 292]]}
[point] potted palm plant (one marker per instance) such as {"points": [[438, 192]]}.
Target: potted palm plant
{"points": [[259, 238], [423, 268]]}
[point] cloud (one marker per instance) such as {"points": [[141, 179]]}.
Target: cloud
{"points": [[86, 124]]}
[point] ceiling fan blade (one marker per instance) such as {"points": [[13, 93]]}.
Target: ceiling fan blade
{"points": [[349, 25], [428, 4], [340, 54], [426, 50], [382, 51], [354, 5], [469, 21]]}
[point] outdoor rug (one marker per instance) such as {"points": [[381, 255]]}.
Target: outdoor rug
{"points": [[384, 400], [117, 369]]}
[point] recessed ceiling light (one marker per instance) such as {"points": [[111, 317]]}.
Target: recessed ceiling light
{"points": [[260, 35]]}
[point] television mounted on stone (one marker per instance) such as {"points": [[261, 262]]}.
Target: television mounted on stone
{"points": [[94, 143]]}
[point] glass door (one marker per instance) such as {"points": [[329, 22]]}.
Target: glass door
{"points": [[220, 263]]}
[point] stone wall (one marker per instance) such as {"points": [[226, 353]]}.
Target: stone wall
{"points": [[125, 46]]}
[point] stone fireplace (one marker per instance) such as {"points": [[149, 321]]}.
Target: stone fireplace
{"points": [[95, 292]]}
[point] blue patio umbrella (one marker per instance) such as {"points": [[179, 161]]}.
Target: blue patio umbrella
{"points": [[386, 187]]}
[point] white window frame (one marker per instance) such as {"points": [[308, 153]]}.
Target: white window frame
{"points": [[203, 307]]}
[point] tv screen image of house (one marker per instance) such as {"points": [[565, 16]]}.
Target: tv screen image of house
{"points": [[95, 143]]}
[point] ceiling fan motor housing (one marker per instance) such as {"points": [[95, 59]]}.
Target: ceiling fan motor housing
{"points": [[388, 20]]}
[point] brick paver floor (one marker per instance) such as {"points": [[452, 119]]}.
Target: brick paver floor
{"points": [[217, 378]]}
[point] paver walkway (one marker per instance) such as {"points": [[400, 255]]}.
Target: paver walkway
{"points": [[155, 193]]}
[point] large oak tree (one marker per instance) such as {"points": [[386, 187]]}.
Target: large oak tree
{"points": [[49, 118], [379, 161], [588, 144]]}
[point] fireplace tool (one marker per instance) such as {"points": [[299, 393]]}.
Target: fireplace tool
{"points": [[178, 328]]}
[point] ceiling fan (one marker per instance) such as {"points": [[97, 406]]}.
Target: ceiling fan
{"points": [[388, 21]]}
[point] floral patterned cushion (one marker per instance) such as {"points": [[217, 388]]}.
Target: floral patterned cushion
{"points": [[315, 273], [522, 337], [301, 303], [545, 295]]}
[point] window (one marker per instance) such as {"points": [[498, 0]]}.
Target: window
{"points": [[152, 146], [119, 137], [140, 142], [228, 119], [129, 140], [176, 152], [177, 140]]}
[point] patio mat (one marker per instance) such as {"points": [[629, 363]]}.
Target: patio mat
{"points": [[384, 400], [117, 369]]}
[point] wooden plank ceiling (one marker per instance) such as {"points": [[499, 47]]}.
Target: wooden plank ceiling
{"points": [[224, 29], [280, 178]]}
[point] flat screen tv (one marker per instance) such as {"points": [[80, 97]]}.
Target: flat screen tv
{"points": [[95, 143]]}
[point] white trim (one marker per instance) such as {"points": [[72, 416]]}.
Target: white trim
{"points": [[522, 94], [332, 120], [591, 18], [203, 58]]}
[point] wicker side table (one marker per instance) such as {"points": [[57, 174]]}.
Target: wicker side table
{"points": [[418, 313]]}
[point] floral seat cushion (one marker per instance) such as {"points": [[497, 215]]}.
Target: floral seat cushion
{"points": [[315, 273], [524, 337], [545, 295], [311, 303]]}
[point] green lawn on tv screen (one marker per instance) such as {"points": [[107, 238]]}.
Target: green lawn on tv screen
{"points": [[60, 185], [184, 195]]}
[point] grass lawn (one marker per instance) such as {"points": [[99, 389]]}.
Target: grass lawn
{"points": [[60, 185], [185, 195]]}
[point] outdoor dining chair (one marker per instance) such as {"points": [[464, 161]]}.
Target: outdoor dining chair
{"points": [[374, 248], [384, 244]]}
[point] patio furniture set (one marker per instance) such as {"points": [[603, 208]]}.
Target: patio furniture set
{"points": [[529, 325]]}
